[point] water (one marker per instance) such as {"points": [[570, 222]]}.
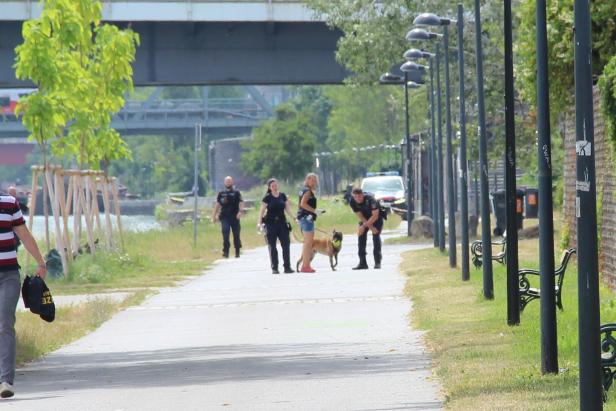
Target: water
{"points": [[134, 223]]}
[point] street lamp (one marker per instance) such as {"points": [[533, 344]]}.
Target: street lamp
{"points": [[407, 68], [486, 235], [549, 341], [513, 289], [421, 34], [430, 19], [420, 54], [588, 267], [412, 78], [418, 34]]}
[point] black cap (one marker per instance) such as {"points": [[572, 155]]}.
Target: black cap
{"points": [[38, 298]]}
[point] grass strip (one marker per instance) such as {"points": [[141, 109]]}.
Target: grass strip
{"points": [[484, 364]]}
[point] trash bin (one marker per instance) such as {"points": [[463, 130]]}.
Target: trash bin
{"points": [[519, 208], [532, 203], [499, 208]]}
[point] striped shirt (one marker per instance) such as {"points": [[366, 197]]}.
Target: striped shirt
{"points": [[10, 217]]}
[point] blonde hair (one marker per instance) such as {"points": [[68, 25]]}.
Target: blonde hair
{"points": [[309, 176]]}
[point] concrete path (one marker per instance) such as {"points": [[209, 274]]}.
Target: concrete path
{"points": [[240, 338]]}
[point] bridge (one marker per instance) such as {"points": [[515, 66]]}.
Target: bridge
{"points": [[189, 42], [221, 117]]}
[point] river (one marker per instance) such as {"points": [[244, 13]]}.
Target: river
{"points": [[134, 223]]}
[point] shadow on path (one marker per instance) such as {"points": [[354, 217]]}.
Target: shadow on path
{"points": [[210, 365]]}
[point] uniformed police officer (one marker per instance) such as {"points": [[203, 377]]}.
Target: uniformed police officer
{"points": [[231, 206], [272, 216], [368, 210]]}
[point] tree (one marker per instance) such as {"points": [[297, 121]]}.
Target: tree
{"points": [[282, 147], [560, 48], [312, 101], [374, 41], [159, 165], [368, 115], [82, 70]]}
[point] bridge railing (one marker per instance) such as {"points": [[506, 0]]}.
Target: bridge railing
{"points": [[179, 109]]}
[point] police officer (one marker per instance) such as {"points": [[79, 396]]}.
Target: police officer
{"points": [[368, 210], [276, 228], [231, 206]]}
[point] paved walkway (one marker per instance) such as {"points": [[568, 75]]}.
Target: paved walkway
{"points": [[240, 338]]}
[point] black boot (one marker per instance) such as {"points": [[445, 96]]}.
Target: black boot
{"points": [[363, 265], [237, 253], [288, 270], [377, 265], [275, 271]]}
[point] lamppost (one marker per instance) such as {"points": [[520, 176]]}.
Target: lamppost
{"points": [[513, 290], [420, 54], [412, 79], [486, 235], [406, 68], [549, 345], [588, 267], [430, 19], [424, 35]]}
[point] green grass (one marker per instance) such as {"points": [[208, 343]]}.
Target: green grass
{"points": [[155, 258], [482, 363]]}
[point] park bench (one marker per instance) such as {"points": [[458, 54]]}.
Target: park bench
{"points": [[608, 356], [528, 293], [477, 252]]}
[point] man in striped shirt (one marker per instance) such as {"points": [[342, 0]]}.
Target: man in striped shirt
{"points": [[12, 223]]}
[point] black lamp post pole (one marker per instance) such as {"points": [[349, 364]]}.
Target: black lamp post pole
{"points": [[486, 235], [439, 165], [588, 268], [463, 160], [549, 346], [450, 188], [433, 164], [513, 290], [409, 166]]}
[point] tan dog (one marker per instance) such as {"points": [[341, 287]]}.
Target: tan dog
{"points": [[326, 246]]}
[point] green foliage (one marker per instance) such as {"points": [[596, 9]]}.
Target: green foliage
{"points": [[316, 104], [560, 47], [368, 115], [374, 41], [373, 35], [282, 147], [560, 53], [607, 84], [565, 237], [160, 164], [82, 69]]}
